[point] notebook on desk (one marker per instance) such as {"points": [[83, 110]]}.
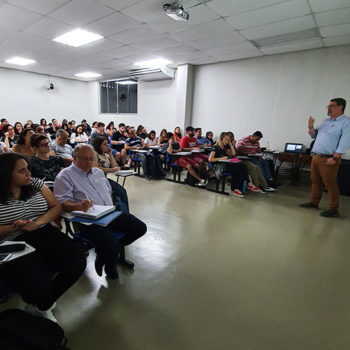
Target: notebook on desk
{"points": [[95, 212], [293, 147]]}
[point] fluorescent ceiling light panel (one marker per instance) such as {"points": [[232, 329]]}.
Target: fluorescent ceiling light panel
{"points": [[155, 63], [78, 37], [88, 75], [20, 61]]}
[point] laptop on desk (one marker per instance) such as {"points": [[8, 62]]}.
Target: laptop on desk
{"points": [[293, 147]]}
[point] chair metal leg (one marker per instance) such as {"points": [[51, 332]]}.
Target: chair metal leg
{"points": [[123, 261]]}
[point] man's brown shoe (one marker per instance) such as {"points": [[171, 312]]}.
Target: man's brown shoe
{"points": [[308, 205]]}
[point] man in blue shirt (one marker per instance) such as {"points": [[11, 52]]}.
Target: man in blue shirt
{"points": [[202, 141], [332, 139]]}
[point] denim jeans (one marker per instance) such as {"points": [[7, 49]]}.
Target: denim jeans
{"points": [[264, 167]]}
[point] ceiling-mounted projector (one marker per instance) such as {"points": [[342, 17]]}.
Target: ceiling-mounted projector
{"points": [[176, 11]]}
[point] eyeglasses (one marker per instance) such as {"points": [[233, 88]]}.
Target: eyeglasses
{"points": [[44, 144], [331, 106], [87, 159], [9, 129]]}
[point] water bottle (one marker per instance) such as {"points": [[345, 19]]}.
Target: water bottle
{"points": [[267, 145], [244, 186]]}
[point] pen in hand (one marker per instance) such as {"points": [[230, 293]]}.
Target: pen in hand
{"points": [[91, 202]]}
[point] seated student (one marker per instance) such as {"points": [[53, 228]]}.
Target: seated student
{"points": [[43, 165], [183, 161], [238, 170], [105, 161], [177, 134], [79, 136], [86, 127], [59, 147], [209, 136], [27, 207], [80, 181], [151, 139], [250, 145], [110, 129], [189, 143], [100, 131], [201, 141], [118, 141], [52, 130], [162, 137], [2, 124], [254, 171], [18, 128], [23, 145], [9, 137], [141, 132], [150, 162]]}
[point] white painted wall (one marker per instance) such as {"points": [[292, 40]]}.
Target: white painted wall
{"points": [[274, 94], [22, 97]]}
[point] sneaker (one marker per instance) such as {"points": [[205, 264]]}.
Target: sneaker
{"points": [[238, 193], [33, 310], [251, 187], [270, 189], [330, 213], [202, 183], [262, 190], [308, 205]]}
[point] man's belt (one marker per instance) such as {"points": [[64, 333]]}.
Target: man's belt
{"points": [[320, 155]]}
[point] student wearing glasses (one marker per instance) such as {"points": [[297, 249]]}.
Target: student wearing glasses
{"points": [[43, 165], [9, 137]]}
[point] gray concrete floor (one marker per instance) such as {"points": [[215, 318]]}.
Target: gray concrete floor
{"points": [[217, 272]]}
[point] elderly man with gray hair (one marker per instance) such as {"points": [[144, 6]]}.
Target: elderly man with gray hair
{"points": [[79, 187], [59, 147]]}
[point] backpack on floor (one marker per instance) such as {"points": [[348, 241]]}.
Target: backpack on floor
{"points": [[20, 330], [154, 166]]}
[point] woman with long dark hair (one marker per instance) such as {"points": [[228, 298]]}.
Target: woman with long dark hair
{"points": [[27, 207], [18, 128], [23, 145], [110, 129], [177, 134]]}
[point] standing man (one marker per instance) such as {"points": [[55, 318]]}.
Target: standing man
{"points": [[332, 139]]}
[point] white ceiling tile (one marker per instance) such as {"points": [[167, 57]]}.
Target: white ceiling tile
{"points": [[98, 46], [155, 44], [203, 60], [299, 46], [130, 60], [204, 30], [337, 40], [230, 50], [122, 51], [240, 55], [217, 41], [13, 17], [48, 28], [174, 51], [81, 12], [333, 17], [112, 24], [167, 25], [284, 27], [139, 33], [145, 11], [119, 4], [341, 29], [40, 6], [326, 5], [227, 8], [201, 14], [270, 14], [188, 57]]}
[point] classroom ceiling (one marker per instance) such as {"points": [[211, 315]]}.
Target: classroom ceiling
{"points": [[134, 30]]}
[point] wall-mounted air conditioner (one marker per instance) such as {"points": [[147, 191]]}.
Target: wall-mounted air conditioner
{"points": [[153, 74]]}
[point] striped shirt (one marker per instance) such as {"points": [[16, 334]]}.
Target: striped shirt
{"points": [[246, 146], [17, 209]]}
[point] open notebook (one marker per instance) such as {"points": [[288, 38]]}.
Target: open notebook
{"points": [[95, 212]]}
